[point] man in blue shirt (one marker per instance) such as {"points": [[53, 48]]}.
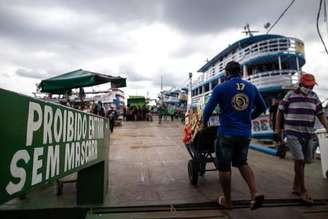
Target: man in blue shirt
{"points": [[239, 102]]}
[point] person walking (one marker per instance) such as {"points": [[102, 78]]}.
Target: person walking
{"points": [[99, 109], [111, 115], [278, 139], [171, 112], [161, 113], [299, 108], [239, 102]]}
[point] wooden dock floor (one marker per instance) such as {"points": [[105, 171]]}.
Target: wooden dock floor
{"points": [[148, 166]]}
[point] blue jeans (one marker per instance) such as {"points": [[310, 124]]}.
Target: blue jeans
{"points": [[231, 150]]}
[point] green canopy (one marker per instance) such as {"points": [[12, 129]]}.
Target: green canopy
{"points": [[76, 79]]}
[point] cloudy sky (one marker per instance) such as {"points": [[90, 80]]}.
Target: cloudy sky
{"points": [[140, 39]]}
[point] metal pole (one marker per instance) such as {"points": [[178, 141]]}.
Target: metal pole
{"points": [[245, 73], [189, 92], [162, 97], [161, 82]]}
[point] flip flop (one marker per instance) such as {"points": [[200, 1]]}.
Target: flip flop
{"points": [[306, 199], [220, 201], [257, 202], [296, 193]]}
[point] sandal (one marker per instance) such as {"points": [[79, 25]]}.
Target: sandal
{"points": [[306, 199], [295, 192], [257, 202], [220, 201]]}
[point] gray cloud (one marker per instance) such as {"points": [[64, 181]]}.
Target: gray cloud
{"points": [[185, 50], [32, 39], [28, 73], [139, 85], [190, 16], [171, 80], [3, 84], [131, 73], [78, 36], [207, 16], [3, 78], [80, 31], [5, 75]]}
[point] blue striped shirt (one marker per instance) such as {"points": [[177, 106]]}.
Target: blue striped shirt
{"points": [[299, 112]]}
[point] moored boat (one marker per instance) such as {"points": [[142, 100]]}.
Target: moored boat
{"points": [[271, 62]]}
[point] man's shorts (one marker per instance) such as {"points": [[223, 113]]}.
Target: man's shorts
{"points": [[300, 148], [231, 150]]}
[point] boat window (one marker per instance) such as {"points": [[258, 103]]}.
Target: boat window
{"points": [[214, 83], [207, 87], [284, 65], [200, 90], [276, 66], [250, 70], [213, 70]]}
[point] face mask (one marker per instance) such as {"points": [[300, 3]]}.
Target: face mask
{"points": [[305, 90]]}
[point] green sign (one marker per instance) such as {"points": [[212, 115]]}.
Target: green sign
{"points": [[41, 141]]}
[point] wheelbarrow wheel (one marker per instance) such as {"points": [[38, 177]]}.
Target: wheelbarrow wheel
{"points": [[202, 167], [60, 187], [193, 167]]}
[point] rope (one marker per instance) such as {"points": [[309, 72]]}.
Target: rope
{"points": [[283, 13], [318, 29]]}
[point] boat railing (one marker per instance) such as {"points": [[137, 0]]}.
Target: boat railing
{"points": [[283, 78], [266, 47], [171, 99], [286, 45]]}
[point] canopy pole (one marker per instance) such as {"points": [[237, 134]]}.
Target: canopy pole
{"points": [[189, 92]]}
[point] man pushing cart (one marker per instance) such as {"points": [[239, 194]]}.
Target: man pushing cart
{"points": [[239, 102]]}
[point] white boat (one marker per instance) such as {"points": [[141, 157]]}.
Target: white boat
{"points": [[271, 62]]}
